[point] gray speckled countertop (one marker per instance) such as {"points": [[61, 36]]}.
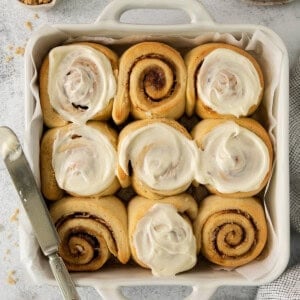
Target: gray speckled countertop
{"points": [[285, 20]]}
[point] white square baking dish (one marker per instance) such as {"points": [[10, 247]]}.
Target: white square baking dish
{"points": [[203, 279]]}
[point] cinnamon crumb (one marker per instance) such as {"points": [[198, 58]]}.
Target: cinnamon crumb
{"points": [[10, 47], [14, 216], [28, 25], [10, 278], [8, 58], [20, 51], [36, 16]]}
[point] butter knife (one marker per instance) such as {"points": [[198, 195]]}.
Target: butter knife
{"points": [[36, 209]]}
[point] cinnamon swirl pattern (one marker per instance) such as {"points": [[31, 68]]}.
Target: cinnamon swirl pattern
{"points": [[230, 232], [162, 156], [77, 84], [160, 233], [91, 230], [223, 81], [151, 83], [235, 156], [80, 160]]}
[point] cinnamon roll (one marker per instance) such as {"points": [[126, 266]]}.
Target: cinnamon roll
{"points": [[160, 233], [91, 230], [162, 157], [235, 156], [151, 83], [77, 84], [230, 232], [80, 160], [223, 81]]}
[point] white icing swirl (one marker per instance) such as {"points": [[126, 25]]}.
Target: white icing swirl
{"points": [[233, 159], [84, 161], [228, 83], [161, 156], [81, 82], [164, 241]]}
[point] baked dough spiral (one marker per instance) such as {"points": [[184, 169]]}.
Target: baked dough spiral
{"points": [[236, 156], [230, 232], [162, 156], [151, 83], [160, 233], [91, 230], [80, 160], [223, 81], [77, 84]]}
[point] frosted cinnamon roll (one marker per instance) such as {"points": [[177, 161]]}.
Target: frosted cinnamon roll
{"points": [[235, 156], [161, 155], [80, 160], [161, 236], [151, 83], [91, 230], [223, 81], [77, 84], [230, 232]]}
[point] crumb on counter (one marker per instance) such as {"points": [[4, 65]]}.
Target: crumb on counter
{"points": [[28, 25], [36, 16], [20, 51], [8, 58], [35, 2], [10, 278], [14, 216], [10, 47]]}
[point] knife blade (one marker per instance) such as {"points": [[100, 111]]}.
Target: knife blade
{"points": [[36, 209]]}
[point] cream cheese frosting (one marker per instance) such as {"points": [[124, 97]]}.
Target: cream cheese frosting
{"points": [[164, 241], [81, 82], [233, 159], [228, 83], [9, 144], [161, 156], [84, 161]]}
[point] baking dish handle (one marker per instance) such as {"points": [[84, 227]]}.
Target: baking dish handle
{"points": [[113, 11], [198, 292]]}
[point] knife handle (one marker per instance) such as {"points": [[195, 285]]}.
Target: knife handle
{"points": [[63, 277]]}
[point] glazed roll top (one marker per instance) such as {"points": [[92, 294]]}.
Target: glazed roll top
{"points": [[90, 231], [235, 156], [83, 160], [81, 82], [151, 83], [161, 154], [161, 235], [224, 80], [230, 232]]}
